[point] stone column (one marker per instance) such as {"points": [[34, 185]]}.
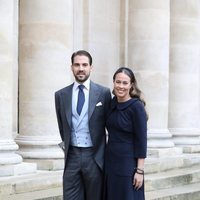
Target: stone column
{"points": [[148, 56], [101, 37], [184, 111], [46, 30], [15, 69], [10, 162]]}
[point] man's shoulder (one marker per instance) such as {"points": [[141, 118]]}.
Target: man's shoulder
{"points": [[63, 90], [102, 87]]}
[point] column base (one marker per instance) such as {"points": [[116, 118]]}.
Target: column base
{"points": [[8, 155], [186, 137], [164, 152], [47, 164], [160, 138], [42, 150], [17, 169], [191, 149], [39, 147]]}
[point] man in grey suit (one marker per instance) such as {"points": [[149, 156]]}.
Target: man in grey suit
{"points": [[81, 114]]}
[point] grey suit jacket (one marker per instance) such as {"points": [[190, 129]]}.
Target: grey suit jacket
{"points": [[96, 117]]}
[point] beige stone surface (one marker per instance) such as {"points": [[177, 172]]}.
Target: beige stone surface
{"points": [[45, 45], [7, 63], [148, 56], [158, 39], [184, 112], [102, 38]]}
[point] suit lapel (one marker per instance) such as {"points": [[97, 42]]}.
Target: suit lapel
{"points": [[94, 94], [67, 102], [93, 98]]}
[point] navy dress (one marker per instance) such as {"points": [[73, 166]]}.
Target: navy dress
{"points": [[127, 133]]}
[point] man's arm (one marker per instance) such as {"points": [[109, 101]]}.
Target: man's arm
{"points": [[58, 114]]}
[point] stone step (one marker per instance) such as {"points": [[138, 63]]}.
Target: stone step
{"points": [[184, 192], [47, 185], [154, 165], [49, 194], [43, 184], [173, 178]]}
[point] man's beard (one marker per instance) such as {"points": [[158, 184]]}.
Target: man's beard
{"points": [[81, 80]]}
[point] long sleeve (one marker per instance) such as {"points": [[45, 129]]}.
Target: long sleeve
{"points": [[140, 130]]}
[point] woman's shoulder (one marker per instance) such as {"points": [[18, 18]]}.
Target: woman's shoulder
{"points": [[137, 105], [136, 102], [138, 108]]}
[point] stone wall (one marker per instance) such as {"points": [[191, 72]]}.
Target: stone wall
{"points": [[159, 40]]}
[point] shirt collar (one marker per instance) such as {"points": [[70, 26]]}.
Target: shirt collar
{"points": [[86, 84]]}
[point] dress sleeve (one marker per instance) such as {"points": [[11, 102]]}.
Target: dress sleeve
{"points": [[140, 130]]}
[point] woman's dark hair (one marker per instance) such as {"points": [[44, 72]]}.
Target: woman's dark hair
{"points": [[134, 90], [81, 53]]}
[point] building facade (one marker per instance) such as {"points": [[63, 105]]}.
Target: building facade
{"points": [[158, 39]]}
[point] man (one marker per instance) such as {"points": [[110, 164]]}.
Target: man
{"points": [[81, 113]]}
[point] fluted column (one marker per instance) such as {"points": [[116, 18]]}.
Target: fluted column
{"points": [[46, 30], [8, 157], [10, 162], [148, 55], [101, 36], [184, 110]]}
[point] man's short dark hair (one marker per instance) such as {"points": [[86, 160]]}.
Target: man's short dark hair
{"points": [[81, 53]]}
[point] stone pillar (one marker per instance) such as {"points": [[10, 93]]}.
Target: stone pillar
{"points": [[15, 69], [10, 162], [101, 37], [46, 31], [184, 110], [148, 55]]}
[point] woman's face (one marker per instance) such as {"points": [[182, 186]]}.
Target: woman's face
{"points": [[122, 85]]}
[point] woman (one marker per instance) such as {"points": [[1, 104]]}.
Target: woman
{"points": [[127, 139]]}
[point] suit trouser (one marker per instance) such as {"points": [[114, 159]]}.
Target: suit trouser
{"points": [[82, 178]]}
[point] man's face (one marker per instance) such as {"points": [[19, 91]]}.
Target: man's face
{"points": [[81, 68]]}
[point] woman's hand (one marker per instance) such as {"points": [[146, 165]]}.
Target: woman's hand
{"points": [[138, 180]]}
